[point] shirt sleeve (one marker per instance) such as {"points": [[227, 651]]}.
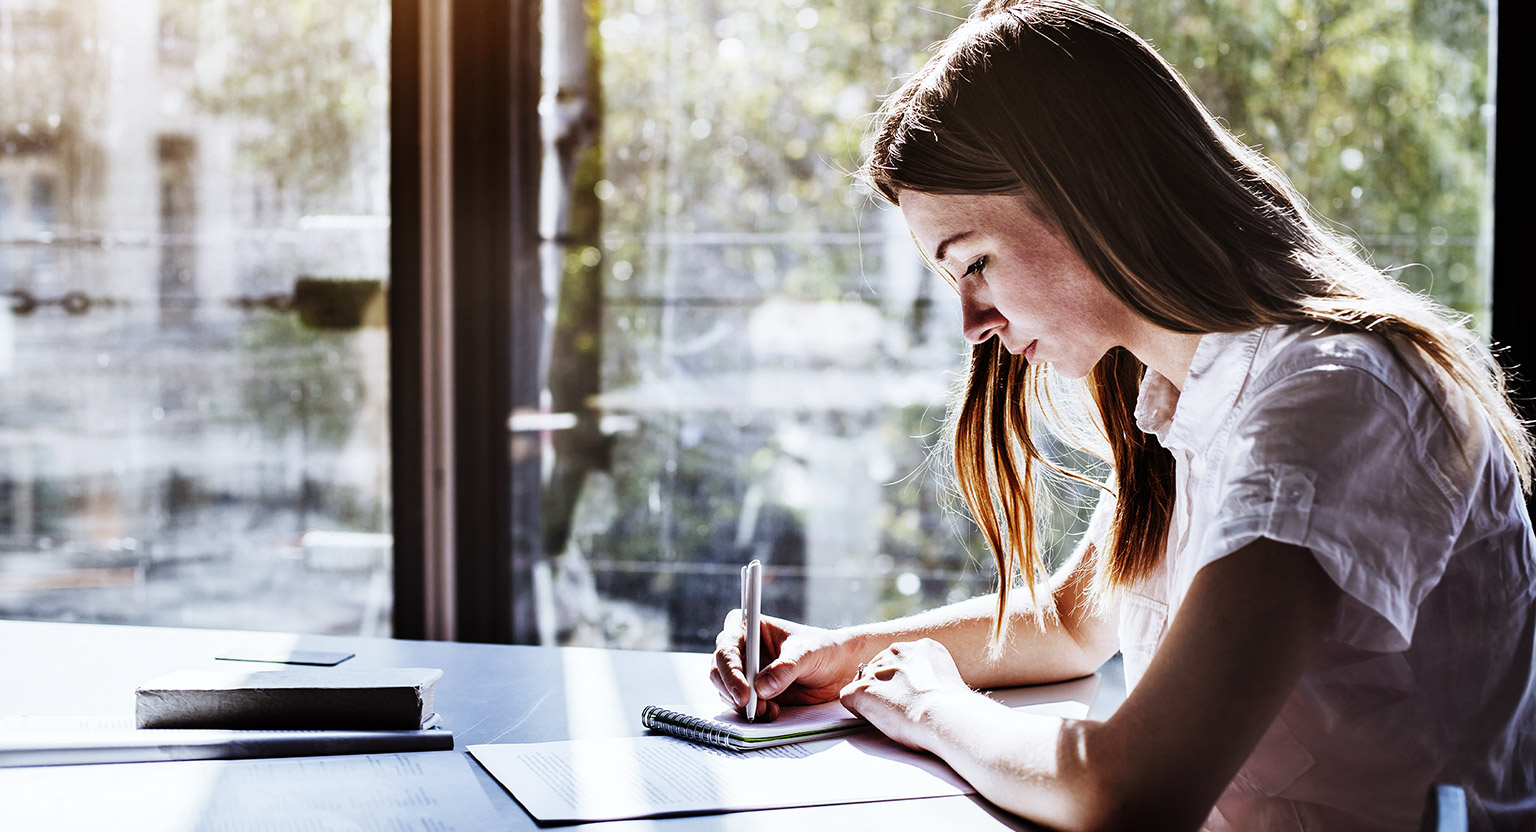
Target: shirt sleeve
{"points": [[1332, 459]]}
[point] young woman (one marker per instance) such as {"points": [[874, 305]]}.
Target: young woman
{"points": [[1313, 550]]}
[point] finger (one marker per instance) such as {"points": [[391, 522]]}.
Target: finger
{"points": [[850, 695], [730, 632], [765, 711], [728, 674], [728, 642], [727, 655], [777, 677], [725, 699], [731, 684]]}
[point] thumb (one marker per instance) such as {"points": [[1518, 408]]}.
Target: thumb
{"points": [[779, 674]]}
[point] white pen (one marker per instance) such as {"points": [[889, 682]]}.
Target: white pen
{"points": [[751, 613]]}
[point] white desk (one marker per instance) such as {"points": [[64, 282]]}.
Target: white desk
{"points": [[488, 693]]}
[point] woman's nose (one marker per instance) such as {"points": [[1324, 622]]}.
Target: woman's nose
{"points": [[980, 320]]}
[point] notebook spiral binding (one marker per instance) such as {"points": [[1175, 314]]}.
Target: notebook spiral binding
{"points": [[688, 727]]}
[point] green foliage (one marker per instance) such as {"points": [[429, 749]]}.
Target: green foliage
{"points": [[299, 379], [309, 76], [747, 117], [1373, 108]]}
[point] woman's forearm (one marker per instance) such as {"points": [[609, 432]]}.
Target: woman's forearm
{"points": [[1035, 766], [1072, 642]]}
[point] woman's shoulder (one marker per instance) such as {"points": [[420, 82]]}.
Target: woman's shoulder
{"points": [[1288, 350], [1365, 387], [1356, 363]]}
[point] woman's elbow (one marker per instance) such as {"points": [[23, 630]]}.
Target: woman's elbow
{"points": [[1094, 647], [1082, 801], [1102, 808], [1101, 789], [1101, 650]]}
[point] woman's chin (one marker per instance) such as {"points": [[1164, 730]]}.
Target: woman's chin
{"points": [[1069, 369]]}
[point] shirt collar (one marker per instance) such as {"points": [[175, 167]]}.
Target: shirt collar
{"points": [[1189, 419]]}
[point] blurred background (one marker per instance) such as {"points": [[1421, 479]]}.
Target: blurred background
{"points": [[743, 354]]}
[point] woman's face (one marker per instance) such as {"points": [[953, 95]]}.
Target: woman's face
{"points": [[1018, 280]]}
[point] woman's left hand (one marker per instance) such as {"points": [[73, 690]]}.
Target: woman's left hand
{"points": [[896, 690]]}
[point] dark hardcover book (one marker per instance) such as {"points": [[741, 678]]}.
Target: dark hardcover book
{"points": [[307, 698]]}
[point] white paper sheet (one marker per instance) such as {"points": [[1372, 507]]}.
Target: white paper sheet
{"points": [[619, 778], [436, 792], [633, 777]]}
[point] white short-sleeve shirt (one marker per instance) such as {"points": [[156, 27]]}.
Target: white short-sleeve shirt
{"points": [[1409, 501]]}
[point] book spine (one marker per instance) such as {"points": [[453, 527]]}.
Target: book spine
{"points": [[692, 728], [353, 709]]}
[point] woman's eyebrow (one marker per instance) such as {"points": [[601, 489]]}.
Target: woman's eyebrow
{"points": [[940, 252]]}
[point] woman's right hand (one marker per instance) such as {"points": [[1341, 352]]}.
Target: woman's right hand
{"points": [[801, 665]]}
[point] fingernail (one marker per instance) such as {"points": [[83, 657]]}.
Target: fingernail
{"points": [[767, 686]]}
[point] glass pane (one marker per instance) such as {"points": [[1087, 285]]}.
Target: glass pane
{"points": [[774, 357], [193, 352], [1377, 111]]}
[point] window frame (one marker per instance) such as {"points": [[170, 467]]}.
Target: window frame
{"points": [[466, 311], [1511, 68]]}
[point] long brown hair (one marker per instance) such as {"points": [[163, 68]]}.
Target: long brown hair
{"points": [[1194, 231]]}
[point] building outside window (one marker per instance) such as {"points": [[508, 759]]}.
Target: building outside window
{"points": [[193, 250]]}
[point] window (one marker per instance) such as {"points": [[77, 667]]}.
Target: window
{"points": [[193, 370], [767, 358], [744, 355]]}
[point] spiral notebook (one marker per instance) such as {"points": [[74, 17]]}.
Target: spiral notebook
{"points": [[731, 730]]}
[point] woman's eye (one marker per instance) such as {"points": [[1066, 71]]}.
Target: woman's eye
{"points": [[976, 267]]}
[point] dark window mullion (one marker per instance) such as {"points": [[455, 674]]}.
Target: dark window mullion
{"points": [[1513, 136], [492, 290], [408, 479]]}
